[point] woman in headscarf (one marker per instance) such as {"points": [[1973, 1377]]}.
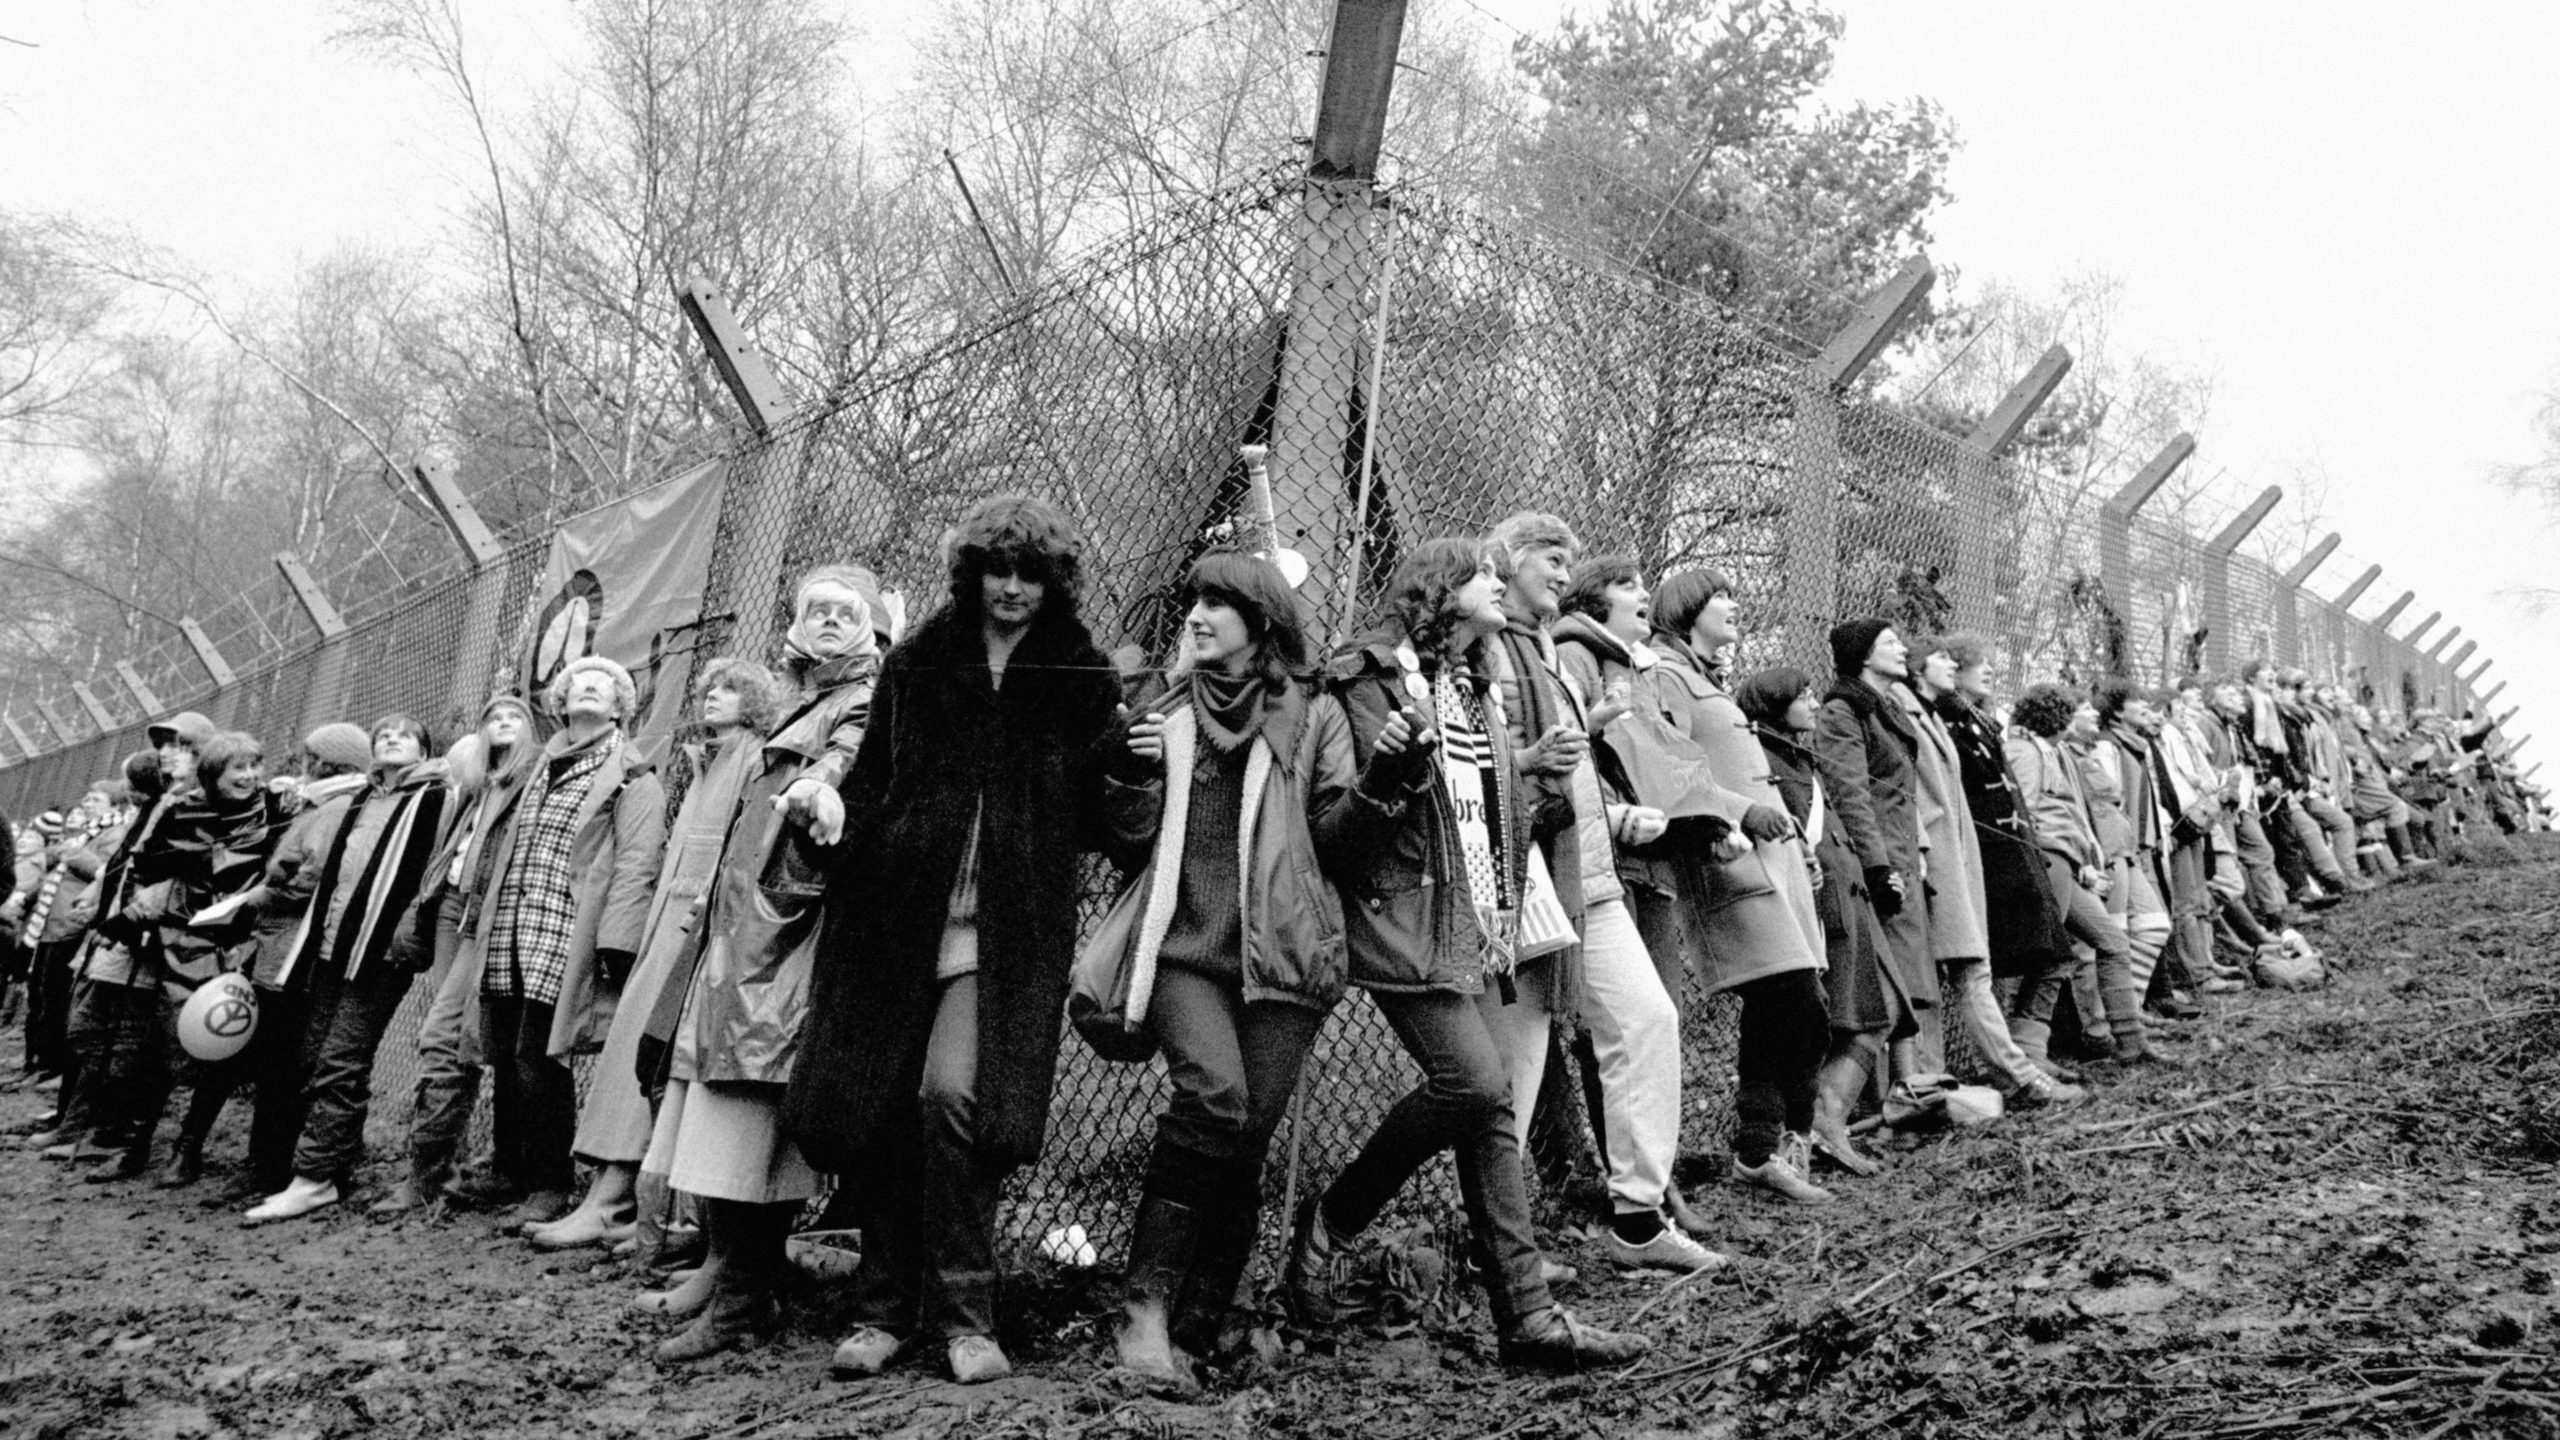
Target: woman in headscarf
{"points": [[1432, 926], [357, 957], [737, 707], [728, 1023], [1239, 783]]}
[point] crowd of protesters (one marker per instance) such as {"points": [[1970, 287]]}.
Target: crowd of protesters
{"points": [[1532, 810]]}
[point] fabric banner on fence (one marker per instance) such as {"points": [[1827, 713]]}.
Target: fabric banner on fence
{"points": [[626, 582]]}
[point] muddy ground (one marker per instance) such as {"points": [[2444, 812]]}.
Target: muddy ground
{"points": [[2340, 1221]]}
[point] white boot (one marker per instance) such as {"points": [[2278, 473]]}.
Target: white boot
{"points": [[301, 1197]]}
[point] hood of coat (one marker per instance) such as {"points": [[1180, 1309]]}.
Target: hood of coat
{"points": [[1580, 629]]}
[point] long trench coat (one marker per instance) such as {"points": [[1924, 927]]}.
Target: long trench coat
{"points": [[1869, 754], [749, 996], [1959, 921]]}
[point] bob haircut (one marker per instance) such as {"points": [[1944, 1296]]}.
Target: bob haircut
{"points": [[1682, 598], [1528, 530], [224, 750], [2045, 710], [1015, 535], [1255, 589], [626, 696], [1766, 694], [1417, 598], [398, 723], [1968, 649], [2111, 695], [1588, 595], [759, 693]]}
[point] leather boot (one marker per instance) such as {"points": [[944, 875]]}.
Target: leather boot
{"points": [[1207, 1300], [185, 1167], [746, 1295], [1161, 1254]]}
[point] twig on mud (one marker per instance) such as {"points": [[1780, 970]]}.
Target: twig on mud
{"points": [[2117, 1149], [2103, 1126], [765, 1419], [1668, 1291]]}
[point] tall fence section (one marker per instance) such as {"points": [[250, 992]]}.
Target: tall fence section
{"points": [[1414, 369]]}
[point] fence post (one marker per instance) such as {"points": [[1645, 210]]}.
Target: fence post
{"points": [[54, 721], [326, 699], [1812, 570], [2288, 597], [475, 654], [2115, 526], [1976, 592], [27, 747], [2494, 692], [2217, 576], [1333, 262], [97, 710], [206, 654], [2419, 630], [143, 695], [762, 535], [2442, 641]]}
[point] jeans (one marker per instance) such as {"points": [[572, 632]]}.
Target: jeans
{"points": [[2312, 843], [2258, 862], [2088, 920], [2340, 830], [1233, 1065], [1785, 1032], [2189, 958], [928, 1203], [1463, 1105], [2134, 894], [116, 1036], [537, 1111], [449, 1056], [339, 1040]]}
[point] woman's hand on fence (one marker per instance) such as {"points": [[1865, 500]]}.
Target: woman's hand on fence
{"points": [[814, 807]]}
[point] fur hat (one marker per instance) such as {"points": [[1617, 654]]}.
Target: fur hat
{"points": [[341, 744], [1852, 641]]}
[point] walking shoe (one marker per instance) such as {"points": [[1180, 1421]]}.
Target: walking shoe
{"points": [[540, 1207], [2223, 985], [1677, 1209], [977, 1359], [1667, 1250], [122, 1165], [867, 1351], [2067, 1074], [2040, 1091], [297, 1199], [1784, 1172], [1320, 1269], [482, 1192], [400, 1199], [1551, 1339], [2171, 1007]]}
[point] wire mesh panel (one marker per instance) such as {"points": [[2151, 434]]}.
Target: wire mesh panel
{"points": [[1413, 369]]}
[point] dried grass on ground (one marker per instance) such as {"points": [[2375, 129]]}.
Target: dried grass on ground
{"points": [[2340, 1222]]}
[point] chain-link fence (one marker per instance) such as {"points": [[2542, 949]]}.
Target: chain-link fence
{"points": [[1415, 369]]}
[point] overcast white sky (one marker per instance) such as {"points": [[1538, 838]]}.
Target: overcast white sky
{"points": [[2343, 211]]}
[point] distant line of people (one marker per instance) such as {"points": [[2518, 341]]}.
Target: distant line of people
{"points": [[1527, 809]]}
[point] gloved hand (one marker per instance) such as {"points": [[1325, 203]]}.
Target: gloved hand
{"points": [[1884, 890], [1766, 823]]}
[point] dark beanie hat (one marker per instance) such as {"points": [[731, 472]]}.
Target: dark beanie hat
{"points": [[1852, 641]]}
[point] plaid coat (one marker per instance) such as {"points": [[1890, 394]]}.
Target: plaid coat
{"points": [[618, 833]]}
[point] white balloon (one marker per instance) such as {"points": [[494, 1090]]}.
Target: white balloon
{"points": [[218, 1020]]}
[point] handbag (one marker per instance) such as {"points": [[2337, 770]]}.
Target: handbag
{"points": [[1544, 927], [1105, 977]]}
